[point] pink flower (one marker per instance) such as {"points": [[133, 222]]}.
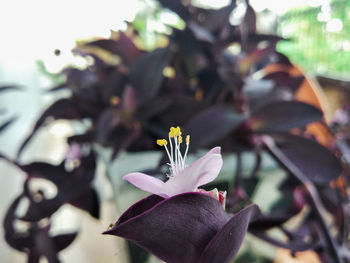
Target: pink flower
{"points": [[182, 178]]}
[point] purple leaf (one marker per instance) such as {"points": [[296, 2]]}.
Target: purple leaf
{"points": [[123, 46], [248, 25], [72, 187], [189, 107], [214, 20], [226, 243], [63, 241], [315, 161], [187, 50], [57, 88], [88, 201], [35, 240], [212, 124], [181, 228], [176, 6], [53, 173], [61, 109], [283, 79], [146, 73], [201, 33], [281, 116], [253, 39], [151, 108], [14, 239], [107, 124]]}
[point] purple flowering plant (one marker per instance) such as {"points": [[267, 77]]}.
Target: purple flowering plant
{"points": [[246, 101], [205, 232]]}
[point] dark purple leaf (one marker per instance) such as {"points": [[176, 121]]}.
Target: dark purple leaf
{"points": [[45, 246], [146, 73], [201, 33], [293, 246], [58, 88], [176, 229], [187, 51], [87, 137], [315, 161], [212, 124], [283, 79], [64, 240], [253, 39], [280, 116], [176, 6], [33, 257], [113, 86], [125, 140], [107, 124], [7, 124], [248, 26], [187, 106], [140, 207], [73, 187], [151, 108], [53, 173], [254, 58], [226, 243], [35, 240], [88, 201], [180, 228], [61, 109], [283, 59], [344, 147], [214, 20], [270, 220], [16, 240], [123, 47]]}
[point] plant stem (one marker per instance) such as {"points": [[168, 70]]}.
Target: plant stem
{"points": [[257, 164], [314, 196], [238, 172]]}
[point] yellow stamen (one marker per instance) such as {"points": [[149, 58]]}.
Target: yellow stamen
{"points": [[177, 160], [169, 72], [172, 132], [114, 100], [199, 94], [177, 131], [162, 142], [188, 139]]}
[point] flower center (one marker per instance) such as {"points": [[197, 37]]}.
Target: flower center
{"points": [[177, 160]]}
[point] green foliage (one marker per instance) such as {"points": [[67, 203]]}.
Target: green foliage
{"points": [[314, 46]]}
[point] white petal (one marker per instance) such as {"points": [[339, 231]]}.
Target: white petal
{"points": [[201, 172], [145, 182]]}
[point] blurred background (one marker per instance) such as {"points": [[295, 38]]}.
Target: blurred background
{"points": [[37, 38]]}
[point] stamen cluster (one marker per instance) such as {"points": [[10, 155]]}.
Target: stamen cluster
{"points": [[177, 160]]}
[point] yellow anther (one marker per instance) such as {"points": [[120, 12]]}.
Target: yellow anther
{"points": [[199, 94], [169, 72], [114, 100], [180, 139], [178, 131], [162, 142], [188, 139], [175, 131], [172, 132]]}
